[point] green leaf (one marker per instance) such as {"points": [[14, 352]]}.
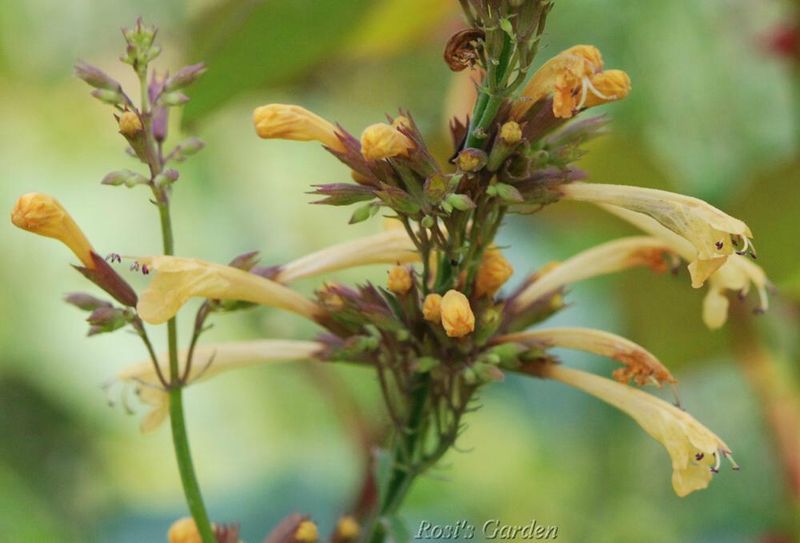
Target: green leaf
{"points": [[249, 44]]}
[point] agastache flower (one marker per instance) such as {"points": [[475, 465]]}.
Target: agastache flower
{"points": [[737, 274], [381, 140], [458, 319], [209, 360], [713, 234], [575, 80], [44, 215], [695, 451], [179, 279], [291, 122]]}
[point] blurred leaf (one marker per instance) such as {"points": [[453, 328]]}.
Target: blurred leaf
{"points": [[392, 25], [249, 43]]}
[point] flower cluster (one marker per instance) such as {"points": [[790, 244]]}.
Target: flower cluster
{"points": [[442, 327]]}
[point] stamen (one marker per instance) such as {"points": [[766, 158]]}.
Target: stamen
{"points": [[699, 456], [134, 266], [715, 469], [729, 456], [586, 85], [719, 245], [113, 257]]}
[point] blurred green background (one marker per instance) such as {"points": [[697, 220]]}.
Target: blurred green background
{"points": [[713, 113]]}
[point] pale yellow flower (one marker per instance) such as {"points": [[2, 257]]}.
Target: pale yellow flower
{"points": [[296, 123], [606, 258], [432, 307], [713, 234], [381, 140], [695, 451], [209, 360], [458, 319], [737, 274], [179, 279], [493, 272], [639, 364], [392, 246], [44, 215], [575, 80]]}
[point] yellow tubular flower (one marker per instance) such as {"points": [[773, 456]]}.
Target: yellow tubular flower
{"points": [[736, 274], [44, 215], [209, 360], [639, 364], [392, 246], [432, 307], [130, 124], [381, 140], [610, 257], [458, 319], [567, 77], [184, 531], [714, 234], [296, 123], [493, 271], [347, 529], [179, 279], [399, 280], [306, 532], [695, 451]]}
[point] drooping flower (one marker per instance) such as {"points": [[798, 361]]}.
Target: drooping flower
{"points": [[179, 279], [695, 451], [385, 248], [296, 123], [575, 80], [736, 274], [458, 319], [493, 272], [208, 361], [44, 215], [609, 257], [639, 365], [381, 140], [713, 234]]}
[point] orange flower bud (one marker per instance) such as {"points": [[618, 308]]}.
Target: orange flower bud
{"points": [[493, 272], [399, 280], [510, 132], [381, 140], [130, 125], [295, 123], [457, 316], [432, 307], [184, 531], [347, 530], [44, 215], [306, 532]]}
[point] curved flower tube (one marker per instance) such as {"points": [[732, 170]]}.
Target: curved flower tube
{"points": [[640, 365], [390, 247], [695, 451], [609, 257], [178, 279], [209, 360], [713, 234], [737, 274]]}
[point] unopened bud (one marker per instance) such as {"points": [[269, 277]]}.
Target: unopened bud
{"points": [[306, 532], [109, 96], [165, 178], [107, 319], [246, 261], [471, 160], [96, 77], [493, 271], [432, 307], [511, 132], [130, 125], [124, 177], [381, 140], [175, 98], [458, 319], [461, 202], [185, 77], [399, 281], [84, 301], [347, 530], [184, 531]]}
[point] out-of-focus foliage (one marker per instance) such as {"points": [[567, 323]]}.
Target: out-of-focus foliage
{"points": [[711, 114]]}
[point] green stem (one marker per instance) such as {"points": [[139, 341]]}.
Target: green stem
{"points": [[180, 437]]}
